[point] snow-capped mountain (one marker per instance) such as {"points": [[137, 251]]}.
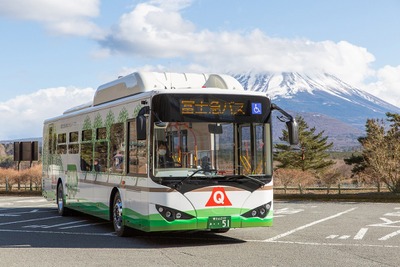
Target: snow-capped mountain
{"points": [[324, 94], [324, 99]]}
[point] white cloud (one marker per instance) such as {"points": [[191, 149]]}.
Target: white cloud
{"points": [[151, 30], [59, 16], [157, 30], [387, 85], [25, 114]]}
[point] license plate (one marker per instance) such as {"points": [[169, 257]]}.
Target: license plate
{"points": [[218, 222]]}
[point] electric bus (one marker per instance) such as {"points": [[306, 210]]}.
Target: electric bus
{"points": [[165, 152]]}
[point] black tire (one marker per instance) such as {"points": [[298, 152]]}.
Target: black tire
{"points": [[117, 217], [60, 201]]}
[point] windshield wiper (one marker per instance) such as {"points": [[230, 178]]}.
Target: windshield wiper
{"points": [[246, 176], [176, 185]]}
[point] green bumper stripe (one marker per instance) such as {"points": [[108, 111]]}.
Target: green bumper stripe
{"points": [[155, 222]]}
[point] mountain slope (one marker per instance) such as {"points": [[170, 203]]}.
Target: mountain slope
{"points": [[324, 94], [324, 101]]}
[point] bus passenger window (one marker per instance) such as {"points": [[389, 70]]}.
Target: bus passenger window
{"points": [[86, 156], [117, 148], [86, 150], [100, 150], [137, 151], [73, 146], [61, 143], [52, 139]]}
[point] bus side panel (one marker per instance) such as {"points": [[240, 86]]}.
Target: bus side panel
{"points": [[135, 201]]}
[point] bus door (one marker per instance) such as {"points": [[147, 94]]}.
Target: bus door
{"points": [[251, 149], [53, 170]]}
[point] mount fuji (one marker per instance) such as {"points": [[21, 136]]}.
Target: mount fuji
{"points": [[323, 100]]}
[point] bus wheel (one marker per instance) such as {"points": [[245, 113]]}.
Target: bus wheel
{"points": [[61, 209], [118, 221]]}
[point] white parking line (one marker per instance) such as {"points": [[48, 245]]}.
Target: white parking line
{"points": [[330, 244], [31, 220], [18, 213], [30, 200], [16, 246], [308, 225], [53, 226], [360, 235], [386, 237], [332, 236], [82, 225], [55, 232]]}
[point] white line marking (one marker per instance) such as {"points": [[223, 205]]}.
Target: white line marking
{"points": [[386, 237], [82, 225], [54, 232], [327, 244], [10, 214], [31, 220], [31, 200], [360, 235], [34, 226], [46, 226], [387, 223], [397, 213], [63, 224], [344, 237], [308, 225], [16, 246], [331, 237]]}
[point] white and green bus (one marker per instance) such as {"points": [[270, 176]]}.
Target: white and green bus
{"points": [[214, 171]]}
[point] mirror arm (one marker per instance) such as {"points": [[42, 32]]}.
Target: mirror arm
{"points": [[287, 115], [291, 124]]}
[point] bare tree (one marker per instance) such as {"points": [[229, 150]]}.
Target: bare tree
{"points": [[382, 151], [294, 177], [9, 177]]}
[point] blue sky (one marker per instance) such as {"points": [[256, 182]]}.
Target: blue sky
{"points": [[54, 53]]}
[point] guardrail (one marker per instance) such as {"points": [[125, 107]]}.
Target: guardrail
{"points": [[23, 188], [327, 190]]}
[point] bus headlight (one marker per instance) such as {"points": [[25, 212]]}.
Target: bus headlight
{"points": [[170, 214], [260, 212]]}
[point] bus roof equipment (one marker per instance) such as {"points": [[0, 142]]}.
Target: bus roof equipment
{"points": [[140, 82]]}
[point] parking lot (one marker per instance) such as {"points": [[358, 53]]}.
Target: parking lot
{"points": [[304, 234]]}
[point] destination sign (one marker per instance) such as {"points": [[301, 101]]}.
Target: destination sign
{"points": [[213, 107]]}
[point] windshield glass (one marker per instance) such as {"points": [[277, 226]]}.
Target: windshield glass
{"points": [[197, 149]]}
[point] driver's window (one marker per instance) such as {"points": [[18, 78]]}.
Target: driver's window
{"points": [[163, 155]]}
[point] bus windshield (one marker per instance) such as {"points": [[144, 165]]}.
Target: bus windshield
{"points": [[182, 149]]}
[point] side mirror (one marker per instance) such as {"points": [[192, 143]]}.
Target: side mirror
{"points": [[141, 127], [293, 131]]}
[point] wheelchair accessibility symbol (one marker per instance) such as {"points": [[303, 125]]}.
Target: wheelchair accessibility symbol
{"points": [[256, 108]]}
